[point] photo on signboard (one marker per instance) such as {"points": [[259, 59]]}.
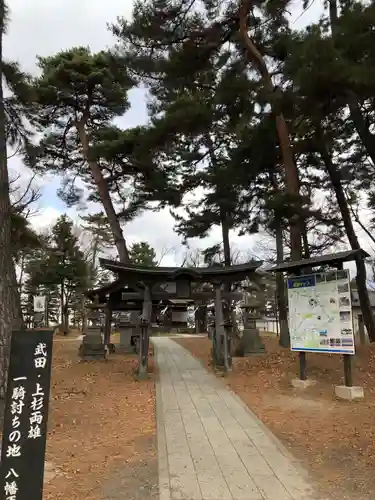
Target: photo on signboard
{"points": [[347, 342], [344, 301], [346, 331], [343, 288], [345, 316]]}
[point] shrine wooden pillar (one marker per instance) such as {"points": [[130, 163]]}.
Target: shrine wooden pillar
{"points": [[221, 355], [107, 325], [216, 338], [144, 342]]}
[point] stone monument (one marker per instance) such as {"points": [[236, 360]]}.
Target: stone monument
{"points": [[129, 326], [92, 347], [250, 343]]}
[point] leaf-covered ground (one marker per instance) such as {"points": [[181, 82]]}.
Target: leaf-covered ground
{"points": [[334, 438], [101, 438]]}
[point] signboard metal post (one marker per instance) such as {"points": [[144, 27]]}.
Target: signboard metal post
{"points": [[302, 365], [348, 375], [26, 415]]}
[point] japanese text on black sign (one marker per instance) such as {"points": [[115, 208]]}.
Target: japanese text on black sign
{"points": [[25, 418]]}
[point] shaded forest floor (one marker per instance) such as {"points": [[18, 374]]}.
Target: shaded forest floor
{"points": [[101, 440], [334, 438]]}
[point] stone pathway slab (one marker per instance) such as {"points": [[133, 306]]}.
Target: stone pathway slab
{"points": [[210, 445]]}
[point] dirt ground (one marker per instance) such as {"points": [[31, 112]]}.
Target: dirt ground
{"points": [[101, 440], [334, 438]]}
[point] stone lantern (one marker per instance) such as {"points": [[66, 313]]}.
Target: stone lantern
{"points": [[251, 344]]}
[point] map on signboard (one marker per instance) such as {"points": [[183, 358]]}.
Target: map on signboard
{"points": [[320, 313]]}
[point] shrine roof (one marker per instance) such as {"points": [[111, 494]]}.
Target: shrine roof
{"points": [[136, 272], [115, 286], [332, 258], [181, 302]]}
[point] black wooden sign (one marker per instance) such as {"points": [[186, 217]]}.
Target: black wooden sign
{"points": [[26, 415]]}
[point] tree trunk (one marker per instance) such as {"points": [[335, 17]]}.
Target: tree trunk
{"points": [[305, 241], [290, 167], [284, 339], [361, 224], [8, 282], [22, 270], [66, 320], [95, 249], [226, 243], [105, 197], [356, 115], [63, 309], [336, 180], [367, 138], [281, 297]]}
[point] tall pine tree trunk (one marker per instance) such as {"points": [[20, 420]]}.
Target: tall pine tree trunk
{"points": [[336, 180], [284, 339], [225, 233], [281, 296], [63, 308], [105, 196], [305, 241], [290, 167], [66, 320], [9, 297]]}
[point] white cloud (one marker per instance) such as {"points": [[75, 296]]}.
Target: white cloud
{"points": [[50, 27], [45, 218]]}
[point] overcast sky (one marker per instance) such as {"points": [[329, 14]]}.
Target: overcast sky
{"points": [[42, 27]]}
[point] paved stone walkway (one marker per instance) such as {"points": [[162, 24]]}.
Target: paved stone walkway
{"points": [[210, 446]]}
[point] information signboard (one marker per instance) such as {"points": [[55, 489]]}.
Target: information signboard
{"points": [[39, 304], [26, 415], [320, 313]]}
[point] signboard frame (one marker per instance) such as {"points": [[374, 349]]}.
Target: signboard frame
{"points": [[336, 286]]}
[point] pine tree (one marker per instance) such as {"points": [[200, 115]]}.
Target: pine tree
{"points": [[78, 94], [58, 270], [143, 254]]}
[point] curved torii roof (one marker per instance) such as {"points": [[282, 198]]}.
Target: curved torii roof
{"points": [[136, 272], [132, 275]]}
